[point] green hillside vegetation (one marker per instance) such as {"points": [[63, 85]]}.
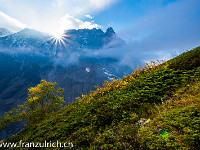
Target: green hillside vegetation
{"points": [[168, 95], [186, 61]]}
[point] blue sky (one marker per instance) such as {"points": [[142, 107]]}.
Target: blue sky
{"points": [[148, 26], [45, 15], [122, 12]]}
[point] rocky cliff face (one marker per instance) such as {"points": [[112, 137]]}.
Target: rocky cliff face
{"points": [[91, 39]]}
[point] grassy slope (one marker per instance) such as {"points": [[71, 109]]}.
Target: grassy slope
{"points": [[106, 118], [180, 117]]}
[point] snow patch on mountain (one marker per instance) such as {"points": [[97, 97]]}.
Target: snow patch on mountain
{"points": [[4, 32], [109, 75]]}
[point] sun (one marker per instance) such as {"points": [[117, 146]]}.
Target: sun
{"points": [[58, 34], [59, 40]]}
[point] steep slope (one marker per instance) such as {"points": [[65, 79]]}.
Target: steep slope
{"points": [[107, 118], [187, 60], [27, 40], [4, 32]]}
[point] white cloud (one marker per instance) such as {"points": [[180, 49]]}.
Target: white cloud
{"points": [[79, 7], [58, 3], [10, 23], [88, 16], [45, 15], [69, 22], [100, 4], [174, 27]]}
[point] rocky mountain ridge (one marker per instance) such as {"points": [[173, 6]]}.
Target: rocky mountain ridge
{"points": [[4, 32]]}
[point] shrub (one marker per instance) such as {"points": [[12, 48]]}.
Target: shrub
{"points": [[42, 100]]}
